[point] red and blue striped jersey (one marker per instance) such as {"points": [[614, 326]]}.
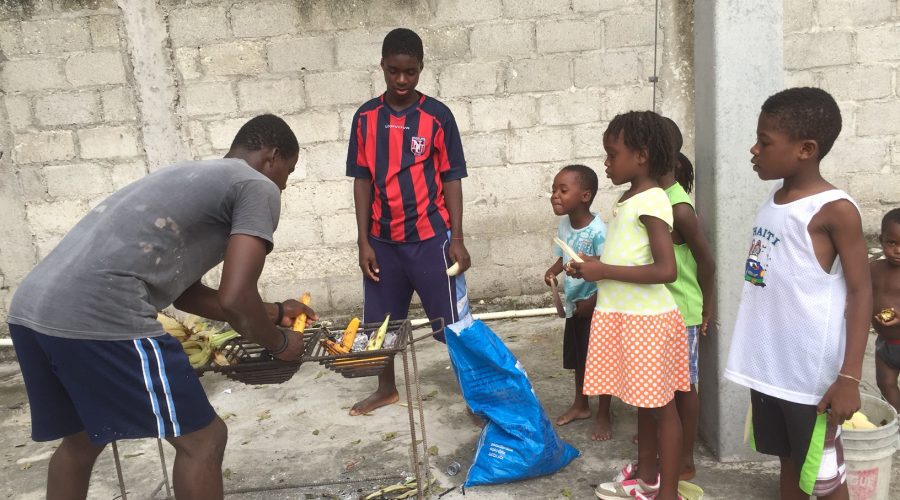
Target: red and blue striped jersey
{"points": [[408, 155]]}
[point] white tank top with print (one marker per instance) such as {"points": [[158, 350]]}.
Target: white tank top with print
{"points": [[789, 336]]}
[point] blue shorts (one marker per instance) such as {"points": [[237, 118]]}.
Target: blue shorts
{"points": [[693, 338], [419, 267], [112, 389]]}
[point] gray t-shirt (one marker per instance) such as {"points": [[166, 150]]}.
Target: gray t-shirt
{"points": [[142, 247]]}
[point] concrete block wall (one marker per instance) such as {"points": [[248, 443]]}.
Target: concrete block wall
{"points": [[852, 49], [532, 85]]}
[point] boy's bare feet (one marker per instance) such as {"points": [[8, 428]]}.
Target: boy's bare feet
{"points": [[572, 414], [375, 400], [602, 428]]}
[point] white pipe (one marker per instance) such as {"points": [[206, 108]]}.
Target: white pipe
{"points": [[520, 313]]}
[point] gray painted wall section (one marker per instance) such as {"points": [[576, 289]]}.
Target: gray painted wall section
{"points": [[738, 54]]}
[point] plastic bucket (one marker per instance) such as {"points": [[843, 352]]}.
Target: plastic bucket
{"points": [[868, 452]]}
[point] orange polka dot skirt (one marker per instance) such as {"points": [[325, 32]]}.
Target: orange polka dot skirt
{"points": [[640, 359]]}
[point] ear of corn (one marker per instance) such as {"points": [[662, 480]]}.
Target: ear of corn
{"points": [[568, 250], [453, 270], [198, 352], [350, 334], [173, 327], [333, 347], [300, 321], [377, 339], [219, 339]]}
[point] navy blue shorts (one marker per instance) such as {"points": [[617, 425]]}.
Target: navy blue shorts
{"points": [[419, 267], [112, 389]]}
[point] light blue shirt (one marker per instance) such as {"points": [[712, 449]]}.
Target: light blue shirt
{"points": [[587, 240]]}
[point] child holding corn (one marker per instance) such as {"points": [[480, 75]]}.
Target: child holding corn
{"points": [[406, 159]]}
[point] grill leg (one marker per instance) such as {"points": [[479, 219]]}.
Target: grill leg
{"points": [[115, 450]]}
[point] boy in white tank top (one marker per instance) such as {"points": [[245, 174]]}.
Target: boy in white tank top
{"points": [[802, 324]]}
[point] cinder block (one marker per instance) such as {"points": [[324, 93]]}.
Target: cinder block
{"points": [[331, 197], [187, 62], [500, 113], [123, 174], [858, 82], [629, 30], [198, 139], [536, 216], [56, 217], [301, 54], [570, 108], [346, 294], [281, 287], [56, 35], [466, 11], [265, 19], [878, 118], [313, 262], [282, 95], [339, 229], [297, 202], [825, 48], [324, 161], [222, 132], [588, 140], [518, 251], [104, 31], [462, 114], [569, 35], [344, 87], [540, 75], [108, 142], [197, 26], [445, 43], [67, 109], [876, 187], [298, 231], [233, 58], [504, 40], [209, 98], [851, 155], [487, 281], [880, 43], [801, 79], [602, 5], [500, 185], [45, 243], [618, 100], [359, 49], [468, 79], [315, 126], [10, 41], [118, 105], [799, 15], [18, 111], [603, 69], [95, 68], [855, 13], [29, 75], [895, 152], [80, 181], [534, 8], [540, 145], [484, 150], [44, 146], [33, 184]]}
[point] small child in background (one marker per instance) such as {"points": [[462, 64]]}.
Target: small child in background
{"points": [[693, 290], [638, 347], [574, 188], [886, 321]]}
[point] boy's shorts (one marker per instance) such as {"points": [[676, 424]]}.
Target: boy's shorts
{"points": [[693, 342], [889, 352], [575, 343], [796, 431], [112, 389], [419, 267]]}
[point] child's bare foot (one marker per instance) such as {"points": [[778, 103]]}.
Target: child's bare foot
{"points": [[375, 400], [688, 471], [602, 428], [572, 414]]}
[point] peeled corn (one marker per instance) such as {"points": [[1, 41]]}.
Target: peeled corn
{"points": [[350, 334], [300, 322]]}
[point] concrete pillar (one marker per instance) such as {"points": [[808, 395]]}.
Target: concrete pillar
{"points": [[154, 81], [738, 57]]}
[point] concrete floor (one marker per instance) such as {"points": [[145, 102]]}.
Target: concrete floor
{"points": [[299, 432]]}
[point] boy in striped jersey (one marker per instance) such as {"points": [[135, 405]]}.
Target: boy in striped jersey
{"points": [[406, 159]]}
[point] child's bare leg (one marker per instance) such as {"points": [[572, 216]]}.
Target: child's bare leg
{"points": [[603, 423], [887, 382], [789, 484], [669, 446], [648, 449], [688, 404], [580, 408], [385, 394]]}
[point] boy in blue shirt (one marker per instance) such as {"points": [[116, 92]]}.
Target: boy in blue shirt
{"points": [[574, 188]]}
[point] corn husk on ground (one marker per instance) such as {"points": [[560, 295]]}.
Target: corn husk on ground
{"points": [[201, 342]]}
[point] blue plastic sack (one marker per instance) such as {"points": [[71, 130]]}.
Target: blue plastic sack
{"points": [[518, 440]]}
